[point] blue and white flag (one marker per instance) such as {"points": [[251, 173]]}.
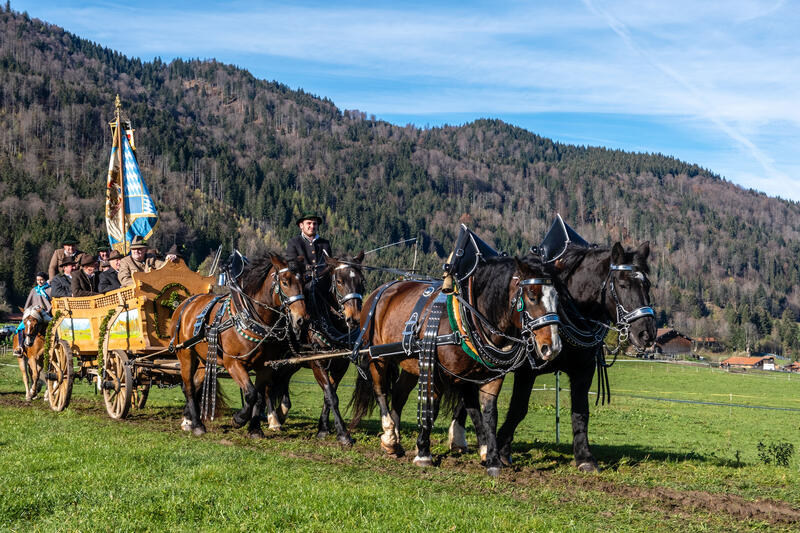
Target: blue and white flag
{"points": [[129, 209]]}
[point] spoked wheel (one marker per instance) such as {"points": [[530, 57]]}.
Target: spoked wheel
{"points": [[59, 375], [140, 393], [117, 384]]}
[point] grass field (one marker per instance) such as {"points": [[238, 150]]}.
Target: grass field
{"points": [[666, 465]]}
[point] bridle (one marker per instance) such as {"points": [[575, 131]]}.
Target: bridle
{"points": [[284, 298], [529, 323], [342, 298], [625, 317]]}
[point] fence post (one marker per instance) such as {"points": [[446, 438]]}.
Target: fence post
{"points": [[558, 406]]}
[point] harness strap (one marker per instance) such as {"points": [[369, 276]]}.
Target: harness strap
{"points": [[427, 367], [368, 325], [190, 342], [210, 378], [413, 323]]}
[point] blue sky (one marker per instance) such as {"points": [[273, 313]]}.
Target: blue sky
{"points": [[712, 83]]}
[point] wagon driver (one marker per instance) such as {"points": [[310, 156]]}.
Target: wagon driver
{"points": [[310, 248]]}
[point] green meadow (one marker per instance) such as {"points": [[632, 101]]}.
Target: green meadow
{"points": [[668, 464]]}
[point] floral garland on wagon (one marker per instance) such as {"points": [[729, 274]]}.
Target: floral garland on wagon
{"points": [[101, 341], [172, 302], [48, 339]]}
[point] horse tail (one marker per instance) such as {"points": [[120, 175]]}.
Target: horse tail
{"points": [[363, 400], [451, 401]]}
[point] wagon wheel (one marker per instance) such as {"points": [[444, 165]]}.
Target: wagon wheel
{"points": [[117, 384], [60, 375], [140, 394]]}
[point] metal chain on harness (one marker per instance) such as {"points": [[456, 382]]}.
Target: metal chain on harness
{"points": [[427, 367]]}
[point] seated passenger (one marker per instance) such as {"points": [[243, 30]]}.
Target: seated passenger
{"points": [[68, 249], [84, 282], [139, 261], [109, 280], [61, 285]]}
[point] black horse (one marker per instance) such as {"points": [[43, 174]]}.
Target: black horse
{"points": [[335, 314], [599, 288]]}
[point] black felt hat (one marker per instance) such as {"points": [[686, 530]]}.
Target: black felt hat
{"points": [[309, 216], [69, 239]]}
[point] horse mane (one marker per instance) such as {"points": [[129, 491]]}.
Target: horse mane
{"points": [[257, 270], [491, 281], [576, 253]]}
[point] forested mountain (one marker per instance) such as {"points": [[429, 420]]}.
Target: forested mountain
{"points": [[233, 160]]}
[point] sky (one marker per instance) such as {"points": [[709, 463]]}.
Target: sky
{"points": [[712, 83]]}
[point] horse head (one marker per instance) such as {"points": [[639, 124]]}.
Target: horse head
{"points": [[533, 301], [287, 291], [32, 318], [347, 286], [627, 294]]}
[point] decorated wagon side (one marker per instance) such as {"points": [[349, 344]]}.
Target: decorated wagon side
{"points": [[119, 340]]}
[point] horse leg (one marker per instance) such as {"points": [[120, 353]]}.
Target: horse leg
{"points": [[488, 401], [23, 367], [191, 413], [468, 404], [251, 408], [423, 456], [517, 409], [390, 438], [332, 402], [262, 380], [580, 382], [336, 371], [457, 434]]}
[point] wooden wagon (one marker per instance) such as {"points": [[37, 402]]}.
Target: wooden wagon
{"points": [[125, 333]]}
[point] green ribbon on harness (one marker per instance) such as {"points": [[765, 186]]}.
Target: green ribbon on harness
{"points": [[454, 326]]}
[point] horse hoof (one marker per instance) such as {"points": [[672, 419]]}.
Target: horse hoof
{"points": [[506, 460], [459, 449], [199, 430], [238, 421], [346, 441], [395, 450], [423, 461], [588, 466], [322, 435], [256, 434], [493, 471]]}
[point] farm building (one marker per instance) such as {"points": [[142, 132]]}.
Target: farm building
{"points": [[672, 342], [709, 343], [761, 362], [793, 367]]}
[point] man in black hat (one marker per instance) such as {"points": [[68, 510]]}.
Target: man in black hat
{"points": [[68, 249], [309, 246], [109, 279], [61, 284], [103, 251], [84, 281]]}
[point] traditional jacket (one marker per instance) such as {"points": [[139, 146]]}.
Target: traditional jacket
{"points": [[59, 256], [127, 266], [313, 253], [61, 286], [83, 285], [39, 296], [109, 280]]}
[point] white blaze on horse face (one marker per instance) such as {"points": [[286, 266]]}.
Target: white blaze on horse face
{"points": [[550, 299]]}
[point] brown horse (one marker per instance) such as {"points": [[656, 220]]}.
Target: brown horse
{"points": [[513, 299], [335, 313], [30, 353], [255, 323]]}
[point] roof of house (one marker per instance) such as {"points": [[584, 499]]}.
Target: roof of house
{"points": [[745, 360]]}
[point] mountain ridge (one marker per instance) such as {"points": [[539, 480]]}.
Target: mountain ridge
{"points": [[233, 160]]}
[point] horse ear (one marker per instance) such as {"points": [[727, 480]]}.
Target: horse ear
{"points": [[643, 250], [278, 261], [617, 254], [359, 258]]}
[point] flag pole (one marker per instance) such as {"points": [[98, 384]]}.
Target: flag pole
{"points": [[118, 140]]}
